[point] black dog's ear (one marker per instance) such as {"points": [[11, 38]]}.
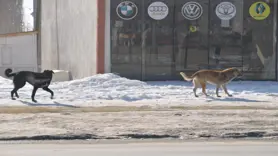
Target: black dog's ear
{"points": [[52, 72]]}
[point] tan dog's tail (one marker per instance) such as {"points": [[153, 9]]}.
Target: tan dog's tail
{"points": [[185, 77]]}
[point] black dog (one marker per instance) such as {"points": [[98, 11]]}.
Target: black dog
{"points": [[37, 80]]}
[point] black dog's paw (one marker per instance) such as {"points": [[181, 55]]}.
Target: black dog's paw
{"points": [[13, 98], [35, 101], [17, 96], [230, 95], [51, 97]]}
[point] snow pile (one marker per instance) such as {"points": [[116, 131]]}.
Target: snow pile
{"points": [[111, 89]]}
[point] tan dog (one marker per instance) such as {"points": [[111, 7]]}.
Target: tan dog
{"points": [[215, 77]]}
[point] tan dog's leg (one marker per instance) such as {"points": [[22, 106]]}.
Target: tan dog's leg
{"points": [[226, 91], [217, 90], [203, 84], [196, 85]]}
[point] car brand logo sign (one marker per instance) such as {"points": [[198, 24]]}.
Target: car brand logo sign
{"points": [[127, 10], [259, 10], [225, 10], [158, 10], [192, 10]]}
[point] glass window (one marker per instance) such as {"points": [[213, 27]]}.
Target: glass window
{"points": [[259, 46], [17, 16], [194, 35]]}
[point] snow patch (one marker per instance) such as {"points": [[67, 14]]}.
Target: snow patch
{"points": [[111, 89]]}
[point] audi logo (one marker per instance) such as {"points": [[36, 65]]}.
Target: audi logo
{"points": [[158, 9]]}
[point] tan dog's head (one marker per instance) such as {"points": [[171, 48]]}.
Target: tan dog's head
{"points": [[236, 72]]}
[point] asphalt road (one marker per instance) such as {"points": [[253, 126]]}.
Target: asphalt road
{"points": [[139, 149]]}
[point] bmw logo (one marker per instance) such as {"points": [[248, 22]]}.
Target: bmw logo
{"points": [[127, 10]]}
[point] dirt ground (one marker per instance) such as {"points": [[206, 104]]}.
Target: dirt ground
{"points": [[85, 123]]}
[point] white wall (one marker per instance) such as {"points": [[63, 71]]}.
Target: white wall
{"points": [[69, 36], [18, 52]]}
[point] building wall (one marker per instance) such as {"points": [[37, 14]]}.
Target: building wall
{"points": [[18, 48], [18, 51], [69, 36]]}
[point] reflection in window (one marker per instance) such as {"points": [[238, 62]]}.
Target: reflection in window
{"points": [[18, 16], [28, 15], [259, 55]]}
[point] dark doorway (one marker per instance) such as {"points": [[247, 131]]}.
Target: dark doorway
{"points": [[126, 32], [192, 35]]}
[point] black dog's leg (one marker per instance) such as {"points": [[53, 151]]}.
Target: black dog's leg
{"points": [[13, 92], [17, 85], [16, 94], [34, 93], [48, 90]]}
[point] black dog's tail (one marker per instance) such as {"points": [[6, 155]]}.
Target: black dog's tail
{"points": [[8, 72]]}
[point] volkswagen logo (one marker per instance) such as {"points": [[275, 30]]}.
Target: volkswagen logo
{"points": [[158, 10], [225, 10], [192, 10]]}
